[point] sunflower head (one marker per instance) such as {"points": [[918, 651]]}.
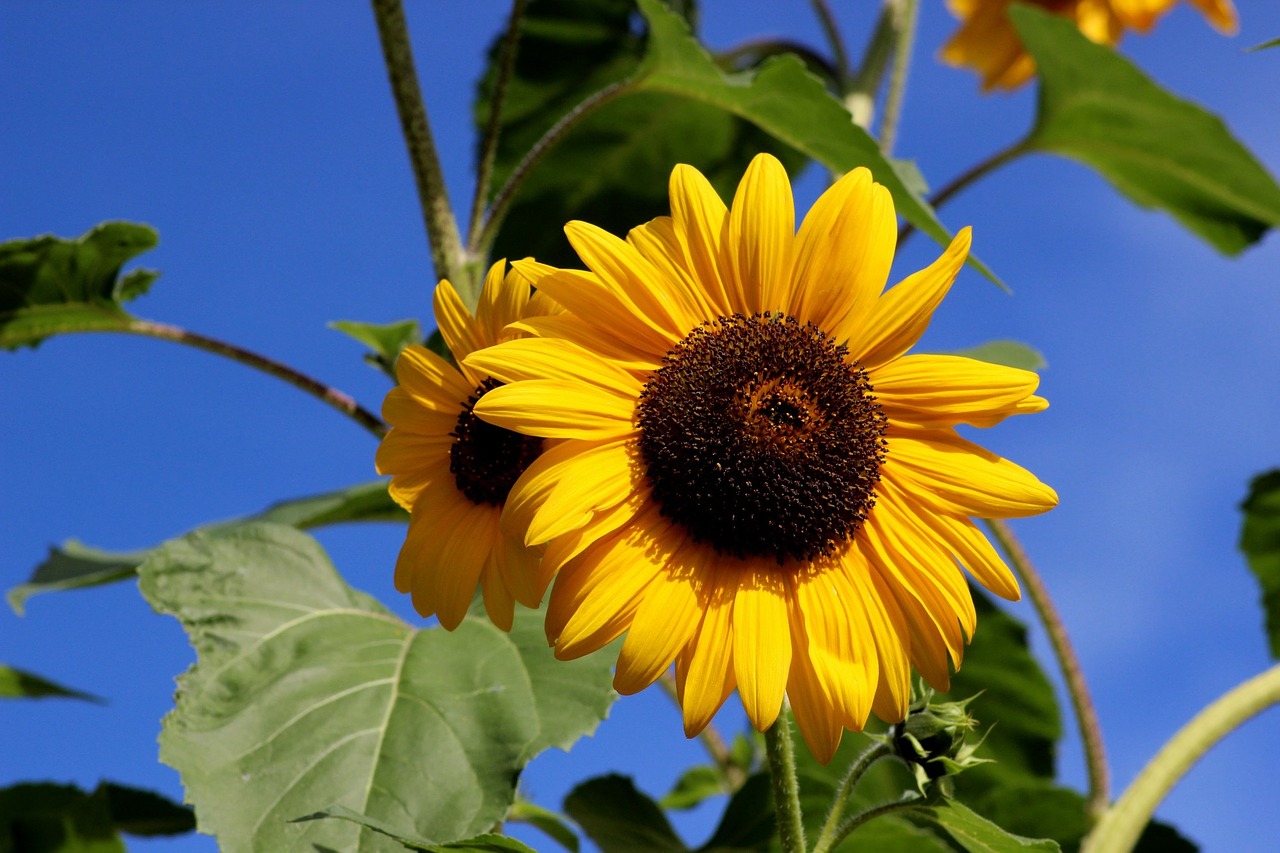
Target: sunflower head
{"points": [[755, 480]]}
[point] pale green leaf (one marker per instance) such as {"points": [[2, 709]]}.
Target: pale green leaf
{"points": [[975, 833], [385, 341], [1096, 107], [555, 825], [50, 285], [694, 785], [1008, 353], [488, 842], [308, 695]]}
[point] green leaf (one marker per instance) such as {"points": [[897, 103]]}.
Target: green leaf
{"points": [[782, 98], [694, 785], [76, 566], [488, 842], [1260, 541], [307, 695], [1008, 353], [1266, 44], [48, 818], [552, 823], [619, 818], [1161, 151], [50, 285], [975, 833], [386, 341], [613, 168], [17, 683], [748, 822]]}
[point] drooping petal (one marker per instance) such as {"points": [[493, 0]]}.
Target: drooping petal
{"points": [[457, 326], [430, 380], [707, 679], [761, 240], [815, 717], [963, 538], [663, 624], [842, 649], [499, 601], [761, 640]]}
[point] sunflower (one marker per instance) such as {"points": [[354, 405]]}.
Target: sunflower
{"points": [[452, 470], [754, 480], [988, 43]]}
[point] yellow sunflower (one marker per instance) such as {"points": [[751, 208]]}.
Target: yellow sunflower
{"points": [[988, 43], [452, 470], [754, 479]]}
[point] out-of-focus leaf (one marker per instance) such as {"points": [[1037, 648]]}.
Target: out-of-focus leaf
{"points": [[748, 822], [619, 818], [488, 842], [20, 684], [1035, 807], [1260, 541], [612, 169], [76, 566], [307, 695], [50, 285], [555, 825], [1008, 353], [694, 785], [975, 833], [1266, 44], [782, 98], [1161, 151], [385, 341], [47, 818]]}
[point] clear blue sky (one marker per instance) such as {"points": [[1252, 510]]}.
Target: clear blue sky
{"points": [[260, 140]]}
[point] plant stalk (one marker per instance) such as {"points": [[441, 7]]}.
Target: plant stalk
{"points": [[969, 176], [786, 790], [827, 838], [906, 13], [506, 64]]}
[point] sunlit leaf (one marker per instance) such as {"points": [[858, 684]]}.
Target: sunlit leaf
{"points": [[76, 566], [385, 340], [975, 833], [48, 818], [1008, 353], [1260, 541], [20, 684], [1161, 151], [554, 824], [619, 818], [307, 695], [50, 285]]}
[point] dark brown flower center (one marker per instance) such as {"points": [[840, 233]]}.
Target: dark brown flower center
{"points": [[762, 438], [486, 460]]}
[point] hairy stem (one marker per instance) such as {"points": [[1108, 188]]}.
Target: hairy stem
{"points": [[827, 838], [786, 790], [484, 172], [1086, 716], [860, 97], [342, 402], [1119, 828], [846, 829], [906, 13], [447, 253]]}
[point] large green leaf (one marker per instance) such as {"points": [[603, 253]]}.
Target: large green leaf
{"points": [[1161, 151], [975, 833], [50, 285], [385, 341], [307, 694], [1260, 541], [48, 818], [484, 843], [612, 169], [619, 818], [20, 684], [76, 566]]}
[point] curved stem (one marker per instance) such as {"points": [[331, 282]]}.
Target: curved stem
{"points": [[1120, 826], [711, 739], [786, 791], [502, 201], [335, 398], [860, 97], [485, 170], [846, 829], [969, 176], [907, 11], [829, 28], [827, 837], [754, 49], [1086, 716], [442, 228]]}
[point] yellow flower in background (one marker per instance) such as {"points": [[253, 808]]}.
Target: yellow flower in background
{"points": [[988, 43], [452, 470], [754, 479]]}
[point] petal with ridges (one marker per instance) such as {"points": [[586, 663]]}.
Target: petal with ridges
{"points": [[662, 626], [605, 343], [598, 477], [707, 680], [564, 548], [889, 625], [557, 409], [499, 603], [700, 217], [841, 649], [455, 322], [761, 238], [451, 584], [970, 546], [949, 388], [548, 358], [430, 379], [814, 715], [656, 240], [761, 640]]}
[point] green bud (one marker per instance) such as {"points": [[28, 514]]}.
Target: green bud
{"points": [[932, 739]]}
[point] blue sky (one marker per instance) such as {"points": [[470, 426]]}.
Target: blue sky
{"points": [[260, 140]]}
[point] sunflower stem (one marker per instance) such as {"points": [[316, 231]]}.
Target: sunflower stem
{"points": [[829, 29], [447, 253], [786, 790], [906, 14], [1119, 828], [712, 740], [827, 837], [866, 815], [342, 402], [1081, 703], [969, 176], [860, 96], [484, 172]]}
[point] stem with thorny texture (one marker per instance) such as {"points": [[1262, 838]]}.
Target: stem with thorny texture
{"points": [[447, 253], [335, 398], [786, 790], [969, 176], [827, 838], [1081, 703], [1119, 828], [506, 64], [711, 739], [905, 14]]}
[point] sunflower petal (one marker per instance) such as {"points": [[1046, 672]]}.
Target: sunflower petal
{"points": [[699, 218], [708, 678], [950, 389], [662, 626], [762, 227], [557, 409], [815, 717], [548, 358], [455, 322], [761, 642], [567, 485]]}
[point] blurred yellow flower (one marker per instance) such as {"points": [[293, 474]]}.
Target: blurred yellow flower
{"points": [[452, 470], [754, 479], [988, 43]]}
